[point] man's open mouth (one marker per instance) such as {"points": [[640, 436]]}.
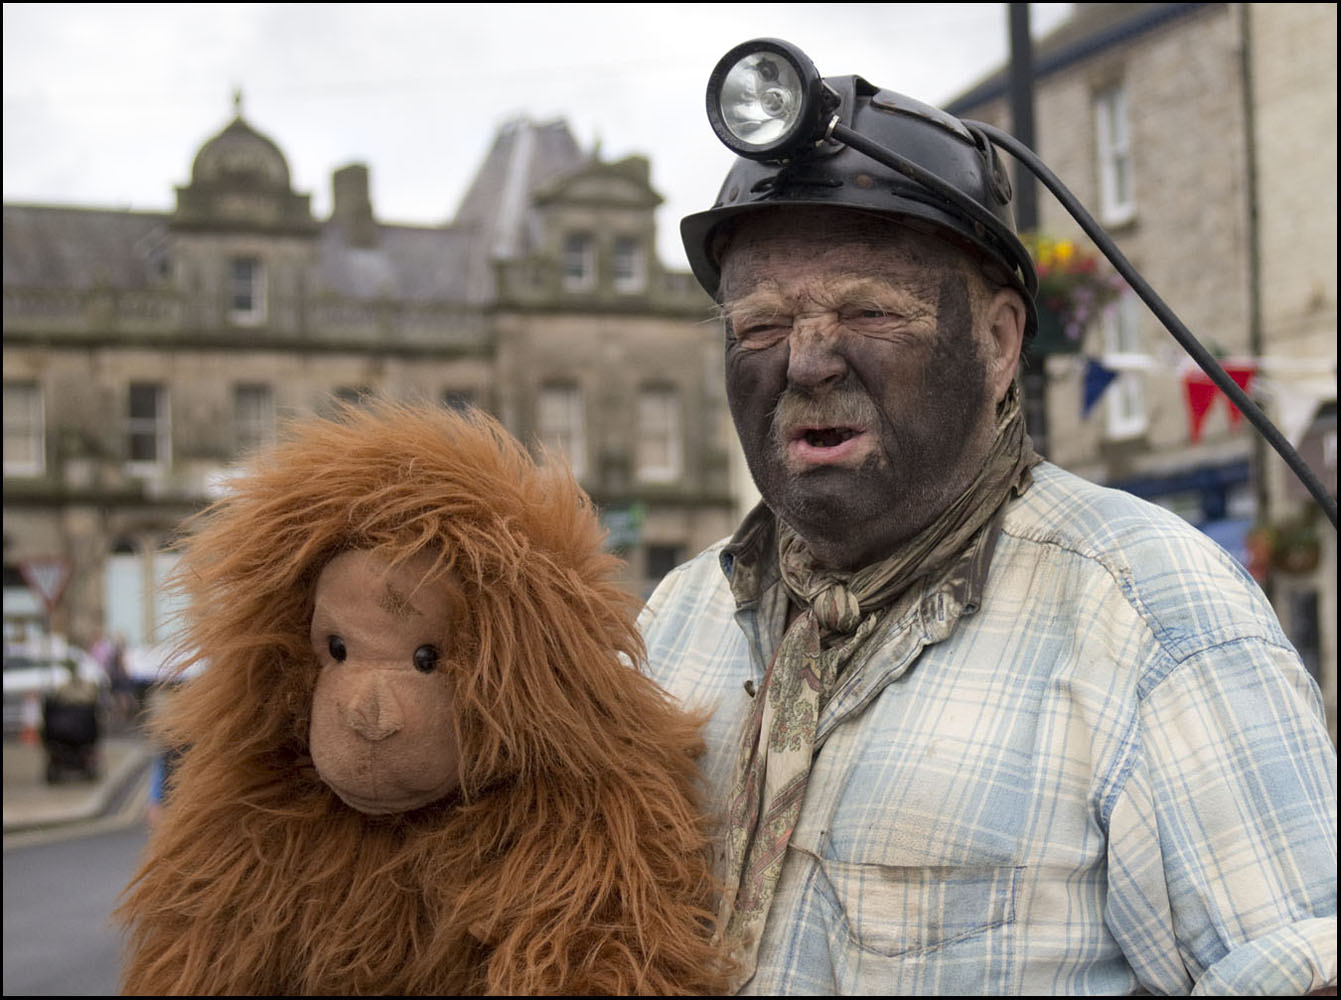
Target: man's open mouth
{"points": [[825, 437]]}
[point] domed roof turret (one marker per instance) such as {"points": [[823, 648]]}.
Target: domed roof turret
{"points": [[242, 156], [240, 180]]}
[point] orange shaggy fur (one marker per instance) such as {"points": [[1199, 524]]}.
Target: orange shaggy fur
{"points": [[573, 860]]}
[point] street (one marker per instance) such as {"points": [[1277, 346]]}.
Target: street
{"points": [[58, 897]]}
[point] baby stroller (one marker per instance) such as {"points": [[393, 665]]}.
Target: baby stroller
{"points": [[70, 731]]}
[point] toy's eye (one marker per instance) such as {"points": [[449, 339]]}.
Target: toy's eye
{"points": [[426, 659], [336, 645]]}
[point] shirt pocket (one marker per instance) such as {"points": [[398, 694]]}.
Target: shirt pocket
{"points": [[919, 929]]}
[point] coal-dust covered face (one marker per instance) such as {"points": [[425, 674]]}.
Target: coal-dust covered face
{"points": [[383, 733], [864, 362]]}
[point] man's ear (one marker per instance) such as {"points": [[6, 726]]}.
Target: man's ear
{"points": [[1005, 337]]}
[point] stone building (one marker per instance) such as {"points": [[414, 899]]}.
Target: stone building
{"points": [[146, 353], [1202, 137]]}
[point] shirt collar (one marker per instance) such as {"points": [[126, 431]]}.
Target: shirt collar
{"points": [[749, 562]]}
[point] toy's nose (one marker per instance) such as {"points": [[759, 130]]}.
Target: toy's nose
{"points": [[372, 710]]}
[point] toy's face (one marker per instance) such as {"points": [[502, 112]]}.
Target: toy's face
{"points": [[383, 733]]}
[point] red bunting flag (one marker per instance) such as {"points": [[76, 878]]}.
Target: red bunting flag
{"points": [[1201, 393], [1243, 378]]}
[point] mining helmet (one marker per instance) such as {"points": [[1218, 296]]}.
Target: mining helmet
{"points": [[804, 140]]}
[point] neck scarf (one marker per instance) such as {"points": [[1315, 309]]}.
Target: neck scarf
{"points": [[839, 612]]}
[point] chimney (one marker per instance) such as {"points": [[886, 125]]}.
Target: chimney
{"points": [[351, 207]]}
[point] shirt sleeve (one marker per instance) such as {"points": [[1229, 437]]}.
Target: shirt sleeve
{"points": [[1222, 831]]}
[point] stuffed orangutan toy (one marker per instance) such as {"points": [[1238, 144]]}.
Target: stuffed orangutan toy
{"points": [[419, 757]]}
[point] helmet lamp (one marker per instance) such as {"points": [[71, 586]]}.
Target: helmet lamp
{"points": [[765, 100]]}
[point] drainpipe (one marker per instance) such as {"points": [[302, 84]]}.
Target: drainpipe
{"points": [[1035, 375], [1261, 486]]}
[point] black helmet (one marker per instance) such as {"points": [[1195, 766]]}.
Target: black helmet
{"points": [[826, 173]]}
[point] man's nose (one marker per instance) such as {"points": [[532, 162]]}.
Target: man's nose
{"points": [[813, 359]]}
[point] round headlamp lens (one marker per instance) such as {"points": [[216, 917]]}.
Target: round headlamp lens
{"points": [[761, 98]]}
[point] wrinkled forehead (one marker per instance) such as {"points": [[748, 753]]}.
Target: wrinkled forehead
{"points": [[797, 246]]}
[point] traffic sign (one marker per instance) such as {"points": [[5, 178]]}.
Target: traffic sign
{"points": [[47, 576]]}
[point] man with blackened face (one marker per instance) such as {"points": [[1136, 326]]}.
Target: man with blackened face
{"points": [[975, 725], [865, 365]]}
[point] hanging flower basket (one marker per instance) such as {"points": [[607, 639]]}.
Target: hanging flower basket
{"points": [[1074, 287], [1289, 546], [1297, 548], [1051, 337]]}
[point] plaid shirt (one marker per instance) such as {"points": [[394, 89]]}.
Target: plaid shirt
{"points": [[1097, 768]]}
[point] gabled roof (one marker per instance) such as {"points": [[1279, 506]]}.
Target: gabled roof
{"points": [[624, 182], [525, 155], [496, 208]]}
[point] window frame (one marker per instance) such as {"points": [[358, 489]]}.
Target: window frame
{"points": [[579, 248], [1126, 406], [247, 439], [670, 432], [32, 430], [1113, 152], [253, 312], [563, 398], [158, 427], [628, 264]]}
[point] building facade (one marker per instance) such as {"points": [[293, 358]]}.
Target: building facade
{"points": [[146, 354], [1202, 137]]}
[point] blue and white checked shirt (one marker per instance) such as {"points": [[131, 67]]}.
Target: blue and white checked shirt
{"points": [[1110, 776]]}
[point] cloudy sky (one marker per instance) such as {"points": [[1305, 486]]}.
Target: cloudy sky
{"points": [[106, 104]]}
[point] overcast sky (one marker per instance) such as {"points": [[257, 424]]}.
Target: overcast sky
{"points": [[105, 105]]}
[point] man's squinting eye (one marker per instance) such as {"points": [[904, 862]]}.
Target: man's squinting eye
{"points": [[426, 659], [336, 646], [760, 331]]}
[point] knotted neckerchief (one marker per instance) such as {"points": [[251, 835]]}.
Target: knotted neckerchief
{"points": [[839, 613]]}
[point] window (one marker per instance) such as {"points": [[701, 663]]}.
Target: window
{"points": [[24, 610], [1116, 198], [137, 603], [25, 429], [246, 291], [560, 425], [149, 435], [1122, 340], [658, 434], [661, 559], [354, 395], [458, 399], [579, 262], [629, 273], [253, 417]]}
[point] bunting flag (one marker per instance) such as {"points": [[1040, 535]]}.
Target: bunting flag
{"points": [[1098, 377], [1293, 387], [1201, 393], [1296, 401], [1243, 378]]}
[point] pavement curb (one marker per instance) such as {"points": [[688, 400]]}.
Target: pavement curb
{"points": [[124, 768]]}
